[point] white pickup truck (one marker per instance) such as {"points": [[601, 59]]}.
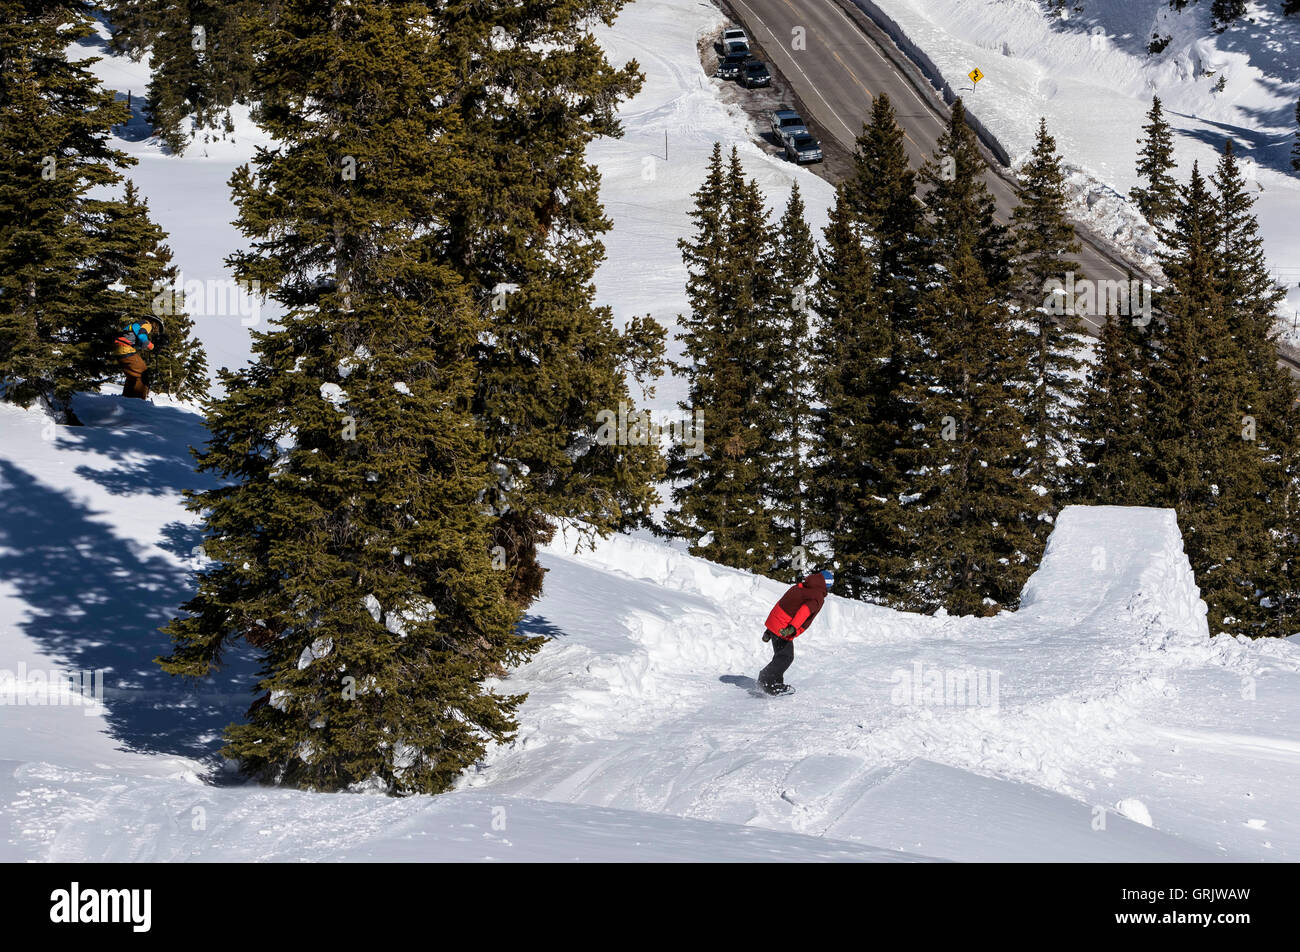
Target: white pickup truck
{"points": [[733, 34]]}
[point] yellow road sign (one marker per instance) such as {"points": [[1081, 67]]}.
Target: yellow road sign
{"points": [[975, 75]]}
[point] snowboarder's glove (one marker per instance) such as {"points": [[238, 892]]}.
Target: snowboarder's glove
{"points": [[767, 636], [787, 631]]}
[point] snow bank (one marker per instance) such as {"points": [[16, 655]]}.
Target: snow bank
{"points": [[102, 818], [1090, 74], [933, 73], [974, 818]]}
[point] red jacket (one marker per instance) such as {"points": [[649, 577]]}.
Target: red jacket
{"points": [[799, 606]]}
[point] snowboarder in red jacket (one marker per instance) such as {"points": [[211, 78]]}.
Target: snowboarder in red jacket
{"points": [[788, 619]]}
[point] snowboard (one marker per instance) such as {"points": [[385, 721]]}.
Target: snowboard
{"points": [[752, 686]]}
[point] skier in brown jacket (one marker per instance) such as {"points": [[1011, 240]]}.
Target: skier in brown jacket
{"points": [[128, 347]]}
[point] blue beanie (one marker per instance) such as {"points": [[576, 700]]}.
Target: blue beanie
{"points": [[829, 576]]}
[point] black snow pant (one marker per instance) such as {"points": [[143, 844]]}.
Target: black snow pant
{"points": [[782, 658]]}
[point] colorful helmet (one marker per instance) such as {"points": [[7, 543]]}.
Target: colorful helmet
{"points": [[829, 576]]}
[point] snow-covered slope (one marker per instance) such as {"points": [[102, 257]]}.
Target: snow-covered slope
{"points": [[1089, 73], [639, 703], [100, 818], [1099, 722]]}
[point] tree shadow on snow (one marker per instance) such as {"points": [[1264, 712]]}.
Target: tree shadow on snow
{"points": [[137, 127], [146, 444], [181, 539], [535, 625], [1268, 150], [95, 603]]}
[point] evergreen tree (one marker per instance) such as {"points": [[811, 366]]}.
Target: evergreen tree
{"points": [[969, 511], [1283, 600], [1200, 396], [882, 194], [135, 266], [1157, 197], [201, 62], [853, 444], [1224, 12], [532, 90], [882, 202], [1043, 242], [705, 256], [1279, 614], [133, 24], [789, 371], [55, 123], [1116, 451], [1251, 295], [350, 544], [1267, 397], [719, 500], [867, 295]]}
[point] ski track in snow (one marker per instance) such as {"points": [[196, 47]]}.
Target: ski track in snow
{"points": [[1090, 673]]}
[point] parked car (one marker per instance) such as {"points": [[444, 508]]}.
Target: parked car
{"points": [[786, 123], [803, 148], [731, 65], [737, 46], [754, 74], [733, 33]]}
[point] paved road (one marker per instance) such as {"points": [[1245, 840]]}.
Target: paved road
{"points": [[847, 62]]}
